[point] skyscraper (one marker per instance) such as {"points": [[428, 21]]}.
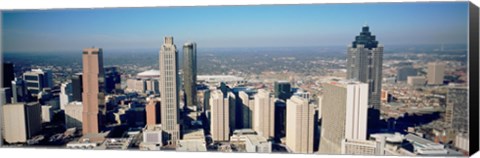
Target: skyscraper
{"points": [[364, 63], [282, 89], [77, 87], [36, 80], [300, 125], [457, 109], [436, 73], [7, 74], [220, 123], [112, 79], [169, 84], [93, 96], [190, 73], [344, 114], [263, 120], [65, 94], [248, 105]]}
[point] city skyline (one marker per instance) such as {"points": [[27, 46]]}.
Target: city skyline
{"points": [[212, 26], [270, 101]]}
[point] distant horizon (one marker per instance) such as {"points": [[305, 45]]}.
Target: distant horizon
{"points": [[252, 26], [387, 48]]}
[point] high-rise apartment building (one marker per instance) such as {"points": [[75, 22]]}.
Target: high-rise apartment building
{"points": [[300, 125], [22, 121], [93, 96], [364, 63], [169, 89], [190, 73], [248, 105], [264, 114], [436, 73], [220, 123], [344, 114]]}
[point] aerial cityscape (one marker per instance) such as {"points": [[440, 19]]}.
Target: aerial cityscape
{"points": [[239, 79]]}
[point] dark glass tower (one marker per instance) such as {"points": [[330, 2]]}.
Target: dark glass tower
{"points": [[190, 73], [8, 74], [112, 79], [283, 90], [77, 87]]}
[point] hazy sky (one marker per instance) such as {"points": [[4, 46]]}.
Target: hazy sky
{"points": [[234, 26]]}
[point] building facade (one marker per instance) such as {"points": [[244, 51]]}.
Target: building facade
{"points": [[344, 114], [300, 125], [264, 114], [22, 121]]}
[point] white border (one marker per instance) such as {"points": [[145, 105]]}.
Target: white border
{"points": [[59, 4], [49, 4]]}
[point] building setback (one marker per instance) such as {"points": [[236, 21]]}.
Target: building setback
{"points": [[364, 63]]}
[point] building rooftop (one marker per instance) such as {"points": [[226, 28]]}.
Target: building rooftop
{"points": [[149, 74], [244, 131]]}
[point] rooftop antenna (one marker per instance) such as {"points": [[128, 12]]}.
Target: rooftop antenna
{"points": [[365, 24]]}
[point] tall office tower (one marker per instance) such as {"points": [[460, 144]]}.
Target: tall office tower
{"points": [[77, 87], [169, 89], [280, 118], [344, 114], [65, 94], [190, 73], [282, 90], [263, 121], [7, 74], [153, 112], [457, 109], [93, 96], [364, 63], [404, 72], [21, 121], [248, 105], [112, 79], [436, 73], [36, 80], [19, 91], [220, 121], [300, 125]]}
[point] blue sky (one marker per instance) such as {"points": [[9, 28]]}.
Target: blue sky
{"points": [[234, 26]]}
